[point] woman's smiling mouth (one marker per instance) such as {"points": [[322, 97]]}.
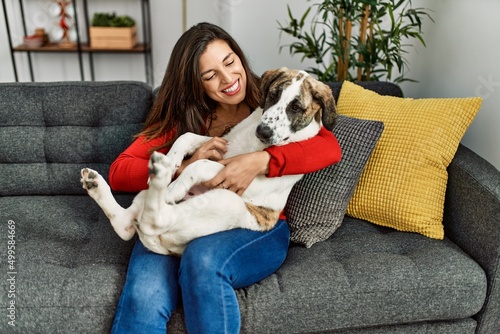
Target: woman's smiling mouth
{"points": [[233, 89]]}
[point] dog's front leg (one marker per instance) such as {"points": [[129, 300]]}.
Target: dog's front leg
{"points": [[195, 173], [185, 145]]}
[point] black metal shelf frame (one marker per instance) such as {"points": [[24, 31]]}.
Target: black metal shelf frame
{"points": [[80, 50]]}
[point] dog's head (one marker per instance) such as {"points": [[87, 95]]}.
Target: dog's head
{"points": [[294, 105]]}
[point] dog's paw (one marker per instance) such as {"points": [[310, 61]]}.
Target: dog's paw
{"points": [[175, 193], [161, 169], [89, 179], [94, 183]]}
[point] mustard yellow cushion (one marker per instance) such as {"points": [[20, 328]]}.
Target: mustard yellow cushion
{"points": [[403, 185]]}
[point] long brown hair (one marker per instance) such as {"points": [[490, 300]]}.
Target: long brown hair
{"points": [[181, 102]]}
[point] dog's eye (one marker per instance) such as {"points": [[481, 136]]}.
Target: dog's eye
{"points": [[295, 107], [272, 95]]}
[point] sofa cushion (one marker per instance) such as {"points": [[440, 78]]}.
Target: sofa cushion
{"points": [[70, 265], [404, 183], [380, 87], [55, 129], [365, 275], [317, 203]]}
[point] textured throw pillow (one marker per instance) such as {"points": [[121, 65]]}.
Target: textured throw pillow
{"points": [[318, 202], [404, 183]]}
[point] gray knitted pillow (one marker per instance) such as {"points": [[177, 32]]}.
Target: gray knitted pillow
{"points": [[318, 202]]}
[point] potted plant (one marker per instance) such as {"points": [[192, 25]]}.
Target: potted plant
{"points": [[359, 40], [109, 31]]}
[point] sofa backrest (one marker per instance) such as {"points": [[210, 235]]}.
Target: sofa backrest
{"points": [[380, 87], [49, 131]]}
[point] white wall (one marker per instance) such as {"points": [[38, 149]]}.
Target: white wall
{"points": [[461, 57]]}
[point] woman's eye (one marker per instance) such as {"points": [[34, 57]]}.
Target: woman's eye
{"points": [[230, 63], [207, 78]]}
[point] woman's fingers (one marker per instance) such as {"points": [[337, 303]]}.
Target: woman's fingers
{"points": [[214, 149]]}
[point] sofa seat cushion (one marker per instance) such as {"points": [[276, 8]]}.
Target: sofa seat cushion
{"points": [[70, 265], [365, 275]]}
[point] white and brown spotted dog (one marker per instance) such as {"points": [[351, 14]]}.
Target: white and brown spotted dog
{"points": [[293, 107]]}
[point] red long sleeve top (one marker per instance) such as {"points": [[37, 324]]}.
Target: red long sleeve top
{"points": [[129, 172]]}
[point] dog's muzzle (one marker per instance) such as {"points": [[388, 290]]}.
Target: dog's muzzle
{"points": [[264, 133]]}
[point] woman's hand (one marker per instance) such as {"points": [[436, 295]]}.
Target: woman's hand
{"points": [[214, 149], [239, 171]]}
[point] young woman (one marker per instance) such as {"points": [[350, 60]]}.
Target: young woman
{"points": [[208, 88]]}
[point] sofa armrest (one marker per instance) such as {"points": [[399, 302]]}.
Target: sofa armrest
{"points": [[472, 221]]}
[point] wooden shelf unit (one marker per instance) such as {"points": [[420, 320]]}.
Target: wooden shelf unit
{"points": [[83, 47]]}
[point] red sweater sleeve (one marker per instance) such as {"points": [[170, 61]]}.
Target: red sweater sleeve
{"points": [[306, 156], [130, 172]]}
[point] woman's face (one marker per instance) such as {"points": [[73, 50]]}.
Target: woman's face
{"points": [[222, 74]]}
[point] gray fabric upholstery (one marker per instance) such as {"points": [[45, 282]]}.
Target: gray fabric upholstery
{"points": [[472, 221], [366, 276], [382, 88], [70, 263], [56, 128], [364, 279]]}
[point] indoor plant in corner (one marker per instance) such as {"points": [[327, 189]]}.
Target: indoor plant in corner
{"points": [[109, 31], [359, 40]]}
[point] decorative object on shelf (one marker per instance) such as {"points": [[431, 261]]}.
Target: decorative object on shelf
{"points": [[37, 40], [384, 29], [64, 33], [33, 41], [40, 32], [109, 31]]}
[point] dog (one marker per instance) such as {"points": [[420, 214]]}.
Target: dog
{"points": [[293, 108]]}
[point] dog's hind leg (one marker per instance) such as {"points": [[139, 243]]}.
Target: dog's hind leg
{"points": [[121, 219], [195, 173], [156, 213]]}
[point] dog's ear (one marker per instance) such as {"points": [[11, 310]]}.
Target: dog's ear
{"points": [[323, 94], [267, 79]]}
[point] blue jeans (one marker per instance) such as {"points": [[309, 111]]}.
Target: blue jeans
{"points": [[208, 273]]}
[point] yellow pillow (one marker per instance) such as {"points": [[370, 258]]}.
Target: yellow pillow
{"points": [[403, 185]]}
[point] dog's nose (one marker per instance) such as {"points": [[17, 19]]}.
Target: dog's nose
{"points": [[264, 132]]}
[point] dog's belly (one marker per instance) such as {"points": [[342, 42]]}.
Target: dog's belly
{"points": [[162, 244], [196, 190], [194, 218], [271, 193]]}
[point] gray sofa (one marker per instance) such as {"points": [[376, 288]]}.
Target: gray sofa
{"points": [[63, 266]]}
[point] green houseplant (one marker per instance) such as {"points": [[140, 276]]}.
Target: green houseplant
{"points": [[112, 20], [110, 31], [359, 40]]}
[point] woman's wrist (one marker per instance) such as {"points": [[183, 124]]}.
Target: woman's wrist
{"points": [[263, 158]]}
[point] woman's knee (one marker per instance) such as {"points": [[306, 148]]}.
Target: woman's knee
{"points": [[151, 286], [198, 264], [151, 298], [227, 256]]}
